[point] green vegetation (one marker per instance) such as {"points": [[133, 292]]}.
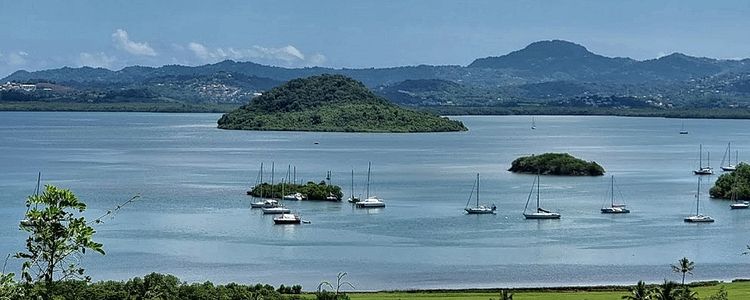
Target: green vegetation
{"points": [[152, 286], [737, 182], [330, 103], [556, 164], [166, 107], [734, 290], [311, 190]]}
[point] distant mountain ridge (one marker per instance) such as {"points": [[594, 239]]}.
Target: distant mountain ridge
{"points": [[538, 62], [552, 72]]}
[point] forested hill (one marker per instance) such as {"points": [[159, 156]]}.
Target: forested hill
{"points": [[544, 76], [330, 103]]}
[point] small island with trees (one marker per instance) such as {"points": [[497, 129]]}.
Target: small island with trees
{"points": [[737, 182], [310, 190], [556, 164], [331, 103]]}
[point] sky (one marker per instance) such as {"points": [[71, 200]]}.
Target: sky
{"points": [[45, 34]]}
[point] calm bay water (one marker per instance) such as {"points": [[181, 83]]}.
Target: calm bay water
{"points": [[194, 221]]}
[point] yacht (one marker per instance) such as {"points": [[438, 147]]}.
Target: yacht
{"points": [[479, 209], [295, 196], [729, 167], [287, 218], [614, 208], [703, 170], [268, 203], [698, 218], [275, 210], [370, 201], [539, 213]]}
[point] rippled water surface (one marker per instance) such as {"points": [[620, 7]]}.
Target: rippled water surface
{"points": [[194, 220]]}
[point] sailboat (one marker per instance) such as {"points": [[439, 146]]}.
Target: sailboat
{"points": [[737, 204], [479, 209], [267, 203], [533, 123], [614, 208], [703, 170], [729, 167], [370, 201], [287, 218], [698, 218], [682, 129], [539, 213], [353, 198]]}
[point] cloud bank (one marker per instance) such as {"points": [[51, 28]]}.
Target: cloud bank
{"points": [[287, 55], [96, 60], [122, 41]]}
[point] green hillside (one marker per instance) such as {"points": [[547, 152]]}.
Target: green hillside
{"points": [[330, 103]]}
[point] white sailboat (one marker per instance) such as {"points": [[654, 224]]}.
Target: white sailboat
{"points": [[737, 204], [682, 129], [703, 170], [287, 218], [729, 167], [275, 210], [539, 213], [262, 203], [698, 218], [370, 201], [353, 198], [479, 208], [614, 208], [533, 123]]}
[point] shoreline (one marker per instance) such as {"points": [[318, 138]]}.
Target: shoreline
{"points": [[446, 111]]}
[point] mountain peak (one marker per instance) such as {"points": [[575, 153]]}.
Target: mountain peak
{"points": [[556, 48]]}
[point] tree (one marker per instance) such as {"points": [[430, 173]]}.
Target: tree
{"points": [[684, 266], [57, 238], [339, 284], [639, 292], [720, 295], [685, 293], [666, 291]]}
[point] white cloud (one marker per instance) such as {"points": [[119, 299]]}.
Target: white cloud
{"points": [[96, 60], [287, 55], [14, 58], [122, 41]]}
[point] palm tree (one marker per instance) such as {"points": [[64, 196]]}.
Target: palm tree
{"points": [[639, 292], [684, 266], [665, 291]]}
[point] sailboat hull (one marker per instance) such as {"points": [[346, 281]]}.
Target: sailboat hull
{"points": [[479, 210], [615, 210], [699, 219], [743, 205], [542, 216], [729, 168]]}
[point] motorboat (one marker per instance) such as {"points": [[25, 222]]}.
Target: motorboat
{"points": [[287, 218]]}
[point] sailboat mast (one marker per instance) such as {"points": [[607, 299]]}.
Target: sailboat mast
{"points": [[369, 165], [352, 184], [729, 149], [477, 189], [612, 196], [537, 192], [261, 181], [700, 157], [273, 170], [698, 198]]}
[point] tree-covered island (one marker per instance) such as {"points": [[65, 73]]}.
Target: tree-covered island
{"points": [[556, 164], [310, 190], [331, 103], [737, 182]]}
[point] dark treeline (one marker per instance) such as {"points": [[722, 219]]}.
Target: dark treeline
{"points": [[311, 190]]}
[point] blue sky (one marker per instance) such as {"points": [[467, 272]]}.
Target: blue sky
{"points": [[50, 34]]}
